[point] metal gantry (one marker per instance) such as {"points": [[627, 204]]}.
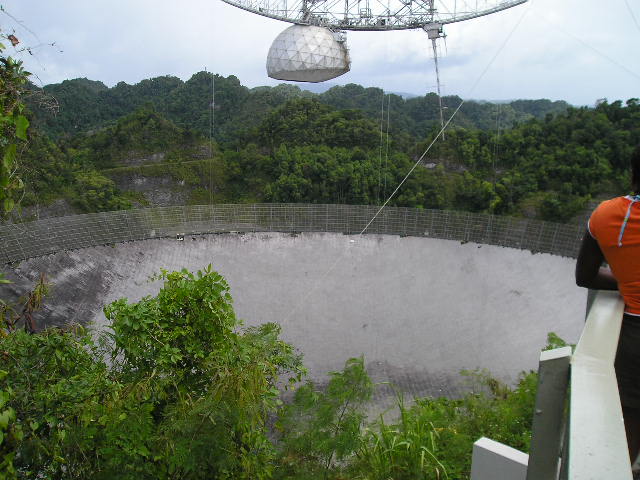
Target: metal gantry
{"points": [[373, 15]]}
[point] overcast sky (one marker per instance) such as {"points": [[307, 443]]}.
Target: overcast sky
{"points": [[573, 50]]}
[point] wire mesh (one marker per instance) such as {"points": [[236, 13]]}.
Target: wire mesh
{"points": [[42, 237]]}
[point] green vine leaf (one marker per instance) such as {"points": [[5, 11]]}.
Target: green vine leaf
{"points": [[9, 157], [21, 127]]}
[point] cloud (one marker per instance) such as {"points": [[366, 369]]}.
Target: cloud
{"points": [[575, 50]]}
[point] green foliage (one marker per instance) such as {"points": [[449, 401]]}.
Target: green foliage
{"points": [[10, 434], [217, 180], [474, 194], [533, 158], [176, 391], [13, 130], [20, 312], [433, 439], [547, 168], [410, 449], [179, 329], [138, 134], [309, 122], [321, 427], [308, 152], [80, 102], [190, 104], [95, 193], [47, 172], [554, 341], [11, 315], [430, 440], [50, 172], [319, 174], [86, 105], [417, 115], [498, 411], [58, 385]]}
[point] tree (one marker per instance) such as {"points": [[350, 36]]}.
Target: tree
{"points": [[13, 130], [96, 193], [322, 427], [177, 391], [13, 136]]}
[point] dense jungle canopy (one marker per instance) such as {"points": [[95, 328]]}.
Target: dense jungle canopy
{"points": [[351, 144]]}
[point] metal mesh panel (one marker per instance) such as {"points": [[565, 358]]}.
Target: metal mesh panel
{"points": [[42, 237]]}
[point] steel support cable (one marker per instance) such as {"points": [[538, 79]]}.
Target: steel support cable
{"points": [[496, 142], [211, 127], [380, 153], [635, 20], [386, 157], [446, 125], [590, 47], [415, 165]]}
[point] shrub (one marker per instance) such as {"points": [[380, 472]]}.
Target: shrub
{"points": [[177, 390]]}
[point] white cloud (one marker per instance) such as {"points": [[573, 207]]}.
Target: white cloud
{"points": [[577, 50]]}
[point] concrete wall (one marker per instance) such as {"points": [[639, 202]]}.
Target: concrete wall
{"points": [[418, 309]]}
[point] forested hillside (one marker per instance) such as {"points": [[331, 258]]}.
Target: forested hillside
{"points": [[149, 144], [86, 104]]}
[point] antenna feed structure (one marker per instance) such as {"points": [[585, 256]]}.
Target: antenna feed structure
{"points": [[434, 30], [308, 53], [324, 55]]}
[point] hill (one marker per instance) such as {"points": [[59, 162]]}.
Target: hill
{"points": [[85, 105], [148, 144]]}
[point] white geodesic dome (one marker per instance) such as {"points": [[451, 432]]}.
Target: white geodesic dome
{"points": [[307, 53]]}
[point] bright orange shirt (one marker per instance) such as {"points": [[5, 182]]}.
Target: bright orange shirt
{"points": [[620, 245]]}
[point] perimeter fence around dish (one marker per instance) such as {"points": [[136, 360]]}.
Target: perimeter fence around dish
{"points": [[41, 237]]}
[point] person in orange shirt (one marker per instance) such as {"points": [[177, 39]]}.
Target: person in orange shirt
{"points": [[613, 235]]}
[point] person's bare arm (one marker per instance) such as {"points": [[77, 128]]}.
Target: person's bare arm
{"points": [[589, 270]]}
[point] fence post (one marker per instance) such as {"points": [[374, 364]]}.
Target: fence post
{"points": [[525, 225], [494, 461], [326, 218], [467, 225], [553, 241], [405, 223], [255, 218], [430, 234], [548, 417], [271, 217]]}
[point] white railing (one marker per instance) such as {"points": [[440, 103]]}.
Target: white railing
{"points": [[578, 431]]}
